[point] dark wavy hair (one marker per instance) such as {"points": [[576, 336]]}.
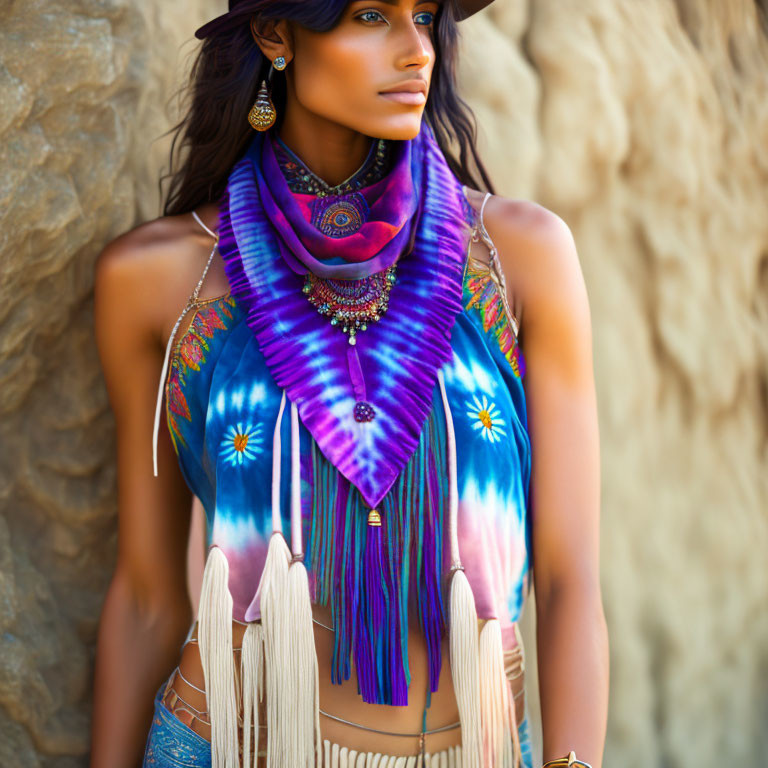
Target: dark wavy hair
{"points": [[225, 77]]}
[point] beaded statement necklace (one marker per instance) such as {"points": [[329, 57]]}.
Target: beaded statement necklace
{"points": [[339, 211]]}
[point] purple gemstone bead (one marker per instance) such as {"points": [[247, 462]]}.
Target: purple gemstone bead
{"points": [[364, 411]]}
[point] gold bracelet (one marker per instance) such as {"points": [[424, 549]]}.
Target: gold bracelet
{"points": [[569, 759]]}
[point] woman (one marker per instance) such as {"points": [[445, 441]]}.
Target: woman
{"points": [[343, 392]]}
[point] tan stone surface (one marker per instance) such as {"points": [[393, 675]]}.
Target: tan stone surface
{"points": [[83, 88], [643, 124]]}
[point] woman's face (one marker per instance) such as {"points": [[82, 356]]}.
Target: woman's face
{"points": [[370, 73]]}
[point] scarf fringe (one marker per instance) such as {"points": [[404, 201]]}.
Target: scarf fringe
{"points": [[361, 571], [277, 638], [303, 662], [252, 673], [292, 675], [300, 658], [465, 668], [215, 641], [501, 745]]}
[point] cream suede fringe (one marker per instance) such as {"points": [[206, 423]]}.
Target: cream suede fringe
{"points": [[279, 660], [337, 756]]}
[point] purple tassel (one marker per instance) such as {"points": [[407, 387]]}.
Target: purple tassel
{"points": [[369, 574], [344, 602], [367, 659], [431, 610]]}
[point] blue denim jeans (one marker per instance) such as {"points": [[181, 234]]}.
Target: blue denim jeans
{"points": [[526, 747], [172, 744]]}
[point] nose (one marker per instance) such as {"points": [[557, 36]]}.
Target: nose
{"points": [[416, 51]]}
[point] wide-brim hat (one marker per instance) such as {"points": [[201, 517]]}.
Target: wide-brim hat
{"points": [[241, 8]]}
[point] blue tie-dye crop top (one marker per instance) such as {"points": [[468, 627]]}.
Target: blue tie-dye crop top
{"points": [[222, 404]]}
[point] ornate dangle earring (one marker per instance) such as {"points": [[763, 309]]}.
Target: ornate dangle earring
{"points": [[262, 115]]}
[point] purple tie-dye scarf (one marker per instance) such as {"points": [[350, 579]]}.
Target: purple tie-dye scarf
{"points": [[386, 233], [267, 244]]}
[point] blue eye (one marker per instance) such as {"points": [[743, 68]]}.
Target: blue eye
{"points": [[368, 13], [424, 18]]}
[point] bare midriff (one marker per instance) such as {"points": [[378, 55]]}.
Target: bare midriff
{"points": [[343, 701]]}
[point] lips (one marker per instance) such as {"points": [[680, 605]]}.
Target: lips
{"points": [[403, 97], [407, 86], [412, 92]]}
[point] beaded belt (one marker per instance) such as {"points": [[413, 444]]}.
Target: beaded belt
{"points": [[514, 668]]}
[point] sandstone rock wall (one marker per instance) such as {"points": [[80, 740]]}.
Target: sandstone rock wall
{"points": [[83, 92], [645, 125]]}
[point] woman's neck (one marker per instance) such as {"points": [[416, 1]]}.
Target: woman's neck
{"points": [[331, 151]]}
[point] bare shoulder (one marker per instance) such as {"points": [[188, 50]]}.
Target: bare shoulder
{"points": [[151, 270], [536, 250]]}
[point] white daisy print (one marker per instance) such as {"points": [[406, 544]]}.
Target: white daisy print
{"points": [[486, 418], [241, 443]]}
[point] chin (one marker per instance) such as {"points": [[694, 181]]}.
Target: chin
{"points": [[402, 128]]}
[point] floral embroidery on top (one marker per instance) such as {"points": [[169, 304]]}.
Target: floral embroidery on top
{"points": [[241, 444], [487, 418], [485, 296], [189, 355]]}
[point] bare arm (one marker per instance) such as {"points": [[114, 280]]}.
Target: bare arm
{"points": [[539, 258], [146, 612]]}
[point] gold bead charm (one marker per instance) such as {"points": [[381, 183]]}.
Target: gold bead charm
{"points": [[374, 518], [262, 115]]}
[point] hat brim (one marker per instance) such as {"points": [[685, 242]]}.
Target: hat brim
{"points": [[470, 7], [232, 18]]}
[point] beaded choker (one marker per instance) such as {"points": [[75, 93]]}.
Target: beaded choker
{"points": [[302, 180]]}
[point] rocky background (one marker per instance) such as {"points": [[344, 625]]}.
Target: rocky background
{"points": [[643, 124]]}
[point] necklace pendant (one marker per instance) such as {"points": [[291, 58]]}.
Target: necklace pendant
{"points": [[340, 215], [351, 305]]}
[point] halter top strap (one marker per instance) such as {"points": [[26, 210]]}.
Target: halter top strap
{"points": [[191, 302], [481, 234]]}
